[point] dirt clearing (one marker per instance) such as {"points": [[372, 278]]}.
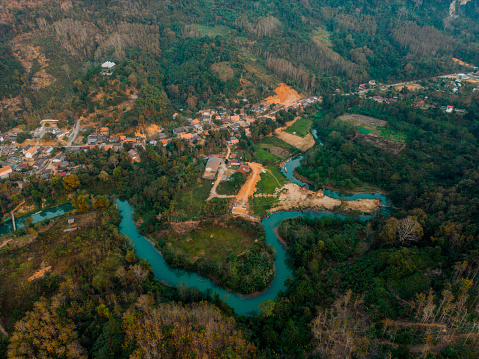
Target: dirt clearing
{"points": [[301, 143], [296, 198], [360, 120], [410, 87], [386, 145], [462, 63], [285, 95], [247, 189]]}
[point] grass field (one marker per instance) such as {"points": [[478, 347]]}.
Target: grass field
{"points": [[300, 127], [261, 204], [364, 130], [263, 155], [268, 183], [390, 134], [191, 200], [213, 243]]}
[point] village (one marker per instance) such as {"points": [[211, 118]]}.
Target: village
{"points": [[44, 150]]}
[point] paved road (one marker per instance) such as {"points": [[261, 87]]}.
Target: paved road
{"points": [[74, 134]]}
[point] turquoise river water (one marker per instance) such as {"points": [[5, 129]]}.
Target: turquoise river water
{"points": [[146, 250]]}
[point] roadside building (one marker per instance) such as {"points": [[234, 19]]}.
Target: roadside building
{"points": [[234, 140], [212, 167], [30, 153], [5, 172], [244, 169]]}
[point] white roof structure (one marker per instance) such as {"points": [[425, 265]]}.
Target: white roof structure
{"points": [[108, 65]]}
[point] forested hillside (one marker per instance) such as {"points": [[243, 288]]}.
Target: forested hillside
{"points": [[203, 52]]}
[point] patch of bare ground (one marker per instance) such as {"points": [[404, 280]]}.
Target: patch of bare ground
{"points": [[294, 197], [360, 120], [280, 152], [184, 227], [40, 273], [285, 95], [385, 145], [301, 143]]}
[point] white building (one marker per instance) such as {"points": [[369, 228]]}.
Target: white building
{"points": [[107, 68]]}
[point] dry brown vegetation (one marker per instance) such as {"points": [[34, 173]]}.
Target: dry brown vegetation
{"points": [[223, 70], [361, 120], [85, 39], [386, 145], [262, 26], [425, 40]]}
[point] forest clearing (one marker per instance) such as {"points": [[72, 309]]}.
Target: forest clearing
{"points": [[294, 197], [301, 143], [285, 96]]}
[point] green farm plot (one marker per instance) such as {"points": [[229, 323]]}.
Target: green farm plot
{"points": [[300, 127], [392, 135], [270, 180], [264, 155]]}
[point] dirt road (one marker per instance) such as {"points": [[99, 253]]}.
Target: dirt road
{"points": [[247, 189], [221, 171]]}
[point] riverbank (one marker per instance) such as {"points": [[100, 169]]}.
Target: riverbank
{"points": [[173, 253], [294, 197]]}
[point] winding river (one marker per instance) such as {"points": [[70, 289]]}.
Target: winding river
{"points": [[146, 250]]}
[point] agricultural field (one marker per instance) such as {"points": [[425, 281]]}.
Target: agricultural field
{"points": [[300, 128], [260, 205], [263, 155]]}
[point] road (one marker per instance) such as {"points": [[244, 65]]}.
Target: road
{"points": [[74, 134]]}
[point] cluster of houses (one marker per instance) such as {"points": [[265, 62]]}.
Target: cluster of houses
{"points": [[32, 160], [215, 162]]}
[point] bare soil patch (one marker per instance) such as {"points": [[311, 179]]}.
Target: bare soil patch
{"points": [[386, 145], [285, 95], [293, 197], [40, 273], [411, 87], [361, 120], [462, 63], [301, 143], [247, 189], [280, 152]]}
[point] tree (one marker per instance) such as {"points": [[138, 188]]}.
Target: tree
{"points": [[44, 334], [71, 182]]}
